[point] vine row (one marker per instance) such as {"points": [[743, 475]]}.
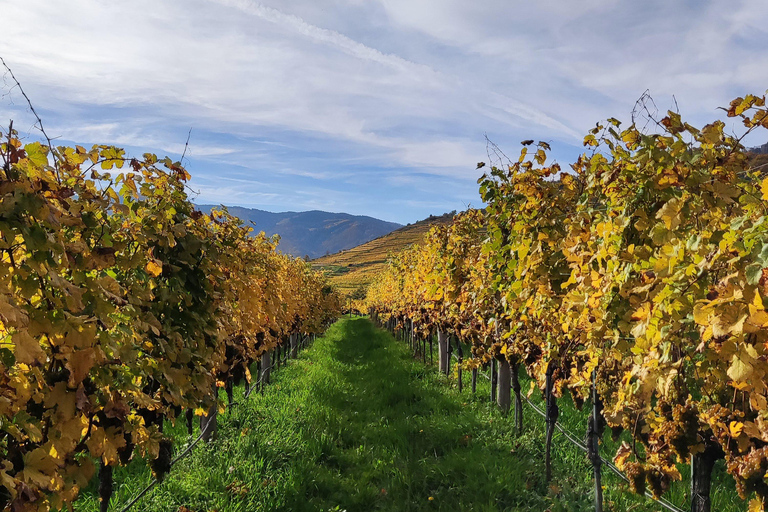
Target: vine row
{"points": [[635, 280]]}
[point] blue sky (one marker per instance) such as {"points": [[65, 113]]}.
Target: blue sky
{"points": [[373, 107]]}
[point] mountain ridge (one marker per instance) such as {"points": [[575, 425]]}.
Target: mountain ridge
{"points": [[312, 233]]}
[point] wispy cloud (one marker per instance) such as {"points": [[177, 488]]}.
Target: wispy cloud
{"points": [[337, 105], [329, 37]]}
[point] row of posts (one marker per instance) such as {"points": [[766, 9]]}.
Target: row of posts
{"points": [[504, 378], [289, 349], [208, 422]]}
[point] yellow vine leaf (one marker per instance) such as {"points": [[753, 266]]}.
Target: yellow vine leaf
{"points": [[741, 367], [622, 454], [154, 267], [729, 320], [6, 480], [79, 364], [27, 349], [758, 402], [38, 467], [670, 213], [12, 316], [105, 443]]}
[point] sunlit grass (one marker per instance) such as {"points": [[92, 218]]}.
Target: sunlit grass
{"points": [[357, 424]]}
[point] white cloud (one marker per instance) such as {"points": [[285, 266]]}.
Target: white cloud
{"points": [[309, 89], [323, 35]]}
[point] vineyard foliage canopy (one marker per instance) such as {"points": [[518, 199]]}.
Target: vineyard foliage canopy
{"points": [[121, 306], [644, 264]]}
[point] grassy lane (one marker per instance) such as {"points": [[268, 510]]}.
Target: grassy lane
{"points": [[356, 424]]}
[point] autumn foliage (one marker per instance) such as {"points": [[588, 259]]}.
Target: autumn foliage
{"points": [[646, 263], [120, 306]]}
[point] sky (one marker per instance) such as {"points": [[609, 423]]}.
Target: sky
{"points": [[369, 107]]}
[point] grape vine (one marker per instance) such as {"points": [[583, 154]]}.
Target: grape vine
{"points": [[121, 306], [645, 265]]}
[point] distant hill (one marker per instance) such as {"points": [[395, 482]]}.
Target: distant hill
{"points": [[313, 233], [352, 270]]}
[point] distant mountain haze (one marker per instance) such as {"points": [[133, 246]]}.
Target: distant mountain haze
{"points": [[314, 233]]}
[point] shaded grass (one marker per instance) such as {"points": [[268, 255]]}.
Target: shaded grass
{"points": [[356, 424], [569, 461]]}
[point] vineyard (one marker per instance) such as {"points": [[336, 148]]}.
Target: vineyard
{"points": [[634, 283], [631, 285], [353, 270], [124, 310]]}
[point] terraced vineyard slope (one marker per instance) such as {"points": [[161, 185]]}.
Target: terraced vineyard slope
{"points": [[352, 270]]}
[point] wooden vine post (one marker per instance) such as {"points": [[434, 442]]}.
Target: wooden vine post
{"points": [[461, 361], [442, 350], [229, 386], [266, 366], [702, 465], [494, 367], [409, 334], [189, 417], [494, 379], [105, 486], [552, 413], [515, 377], [208, 422], [294, 345], [504, 385], [431, 355], [594, 432]]}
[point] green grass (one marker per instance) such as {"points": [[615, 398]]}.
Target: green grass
{"points": [[617, 495], [356, 424]]}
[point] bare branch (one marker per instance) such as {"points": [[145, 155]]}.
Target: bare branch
{"points": [[186, 145], [642, 110], [7, 154], [32, 108], [492, 147]]}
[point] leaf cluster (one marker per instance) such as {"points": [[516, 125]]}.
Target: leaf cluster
{"points": [[120, 306], [646, 262]]}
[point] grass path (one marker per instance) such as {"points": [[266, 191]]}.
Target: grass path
{"points": [[356, 424]]}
